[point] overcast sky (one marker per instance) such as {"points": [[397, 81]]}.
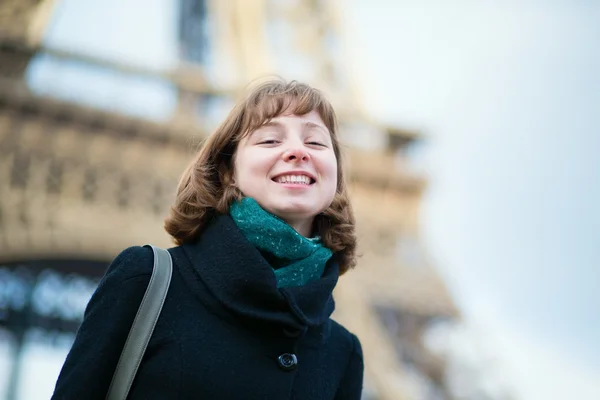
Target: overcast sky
{"points": [[508, 97]]}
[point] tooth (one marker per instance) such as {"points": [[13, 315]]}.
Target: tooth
{"points": [[303, 179]]}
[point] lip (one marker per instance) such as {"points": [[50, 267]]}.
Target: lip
{"points": [[311, 176]]}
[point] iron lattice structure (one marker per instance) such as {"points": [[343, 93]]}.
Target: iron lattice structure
{"points": [[73, 175]]}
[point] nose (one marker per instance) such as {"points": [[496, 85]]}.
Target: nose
{"points": [[296, 154]]}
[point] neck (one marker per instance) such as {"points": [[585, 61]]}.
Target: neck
{"points": [[303, 227]]}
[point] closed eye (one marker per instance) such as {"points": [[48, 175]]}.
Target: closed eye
{"points": [[317, 144], [270, 141]]}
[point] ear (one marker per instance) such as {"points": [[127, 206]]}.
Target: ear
{"points": [[227, 174], [233, 174]]}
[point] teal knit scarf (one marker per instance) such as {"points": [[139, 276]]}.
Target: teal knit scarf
{"points": [[295, 259]]}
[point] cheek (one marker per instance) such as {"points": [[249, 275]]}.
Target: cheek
{"points": [[330, 168], [332, 165], [236, 167], [240, 170], [248, 168]]}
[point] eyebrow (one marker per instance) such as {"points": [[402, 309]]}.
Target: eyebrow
{"points": [[313, 125]]}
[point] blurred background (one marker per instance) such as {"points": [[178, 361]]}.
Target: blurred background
{"points": [[472, 136]]}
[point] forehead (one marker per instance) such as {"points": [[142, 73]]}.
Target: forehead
{"points": [[312, 118]]}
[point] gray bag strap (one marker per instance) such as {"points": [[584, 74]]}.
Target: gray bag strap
{"points": [[143, 325]]}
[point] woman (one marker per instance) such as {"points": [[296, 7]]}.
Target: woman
{"points": [[264, 228]]}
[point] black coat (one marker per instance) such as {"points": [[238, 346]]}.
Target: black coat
{"points": [[225, 332]]}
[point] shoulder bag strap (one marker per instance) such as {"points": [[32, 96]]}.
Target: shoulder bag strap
{"points": [[143, 325]]}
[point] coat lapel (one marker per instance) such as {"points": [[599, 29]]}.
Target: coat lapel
{"points": [[237, 275]]}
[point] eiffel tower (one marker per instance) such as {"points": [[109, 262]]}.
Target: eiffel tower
{"points": [[65, 189]]}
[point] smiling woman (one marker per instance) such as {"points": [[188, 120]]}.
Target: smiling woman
{"points": [[264, 228], [279, 129]]}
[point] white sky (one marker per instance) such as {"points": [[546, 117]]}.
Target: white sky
{"points": [[509, 98]]}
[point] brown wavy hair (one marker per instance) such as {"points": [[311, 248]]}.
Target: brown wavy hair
{"points": [[206, 187]]}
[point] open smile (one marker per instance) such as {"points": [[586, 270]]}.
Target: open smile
{"points": [[294, 179]]}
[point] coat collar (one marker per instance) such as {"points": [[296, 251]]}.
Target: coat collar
{"points": [[237, 275]]}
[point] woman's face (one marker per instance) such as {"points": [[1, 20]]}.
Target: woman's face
{"points": [[289, 167]]}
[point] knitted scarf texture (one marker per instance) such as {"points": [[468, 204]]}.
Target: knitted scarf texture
{"points": [[295, 259]]}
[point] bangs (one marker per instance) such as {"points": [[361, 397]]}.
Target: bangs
{"points": [[273, 99]]}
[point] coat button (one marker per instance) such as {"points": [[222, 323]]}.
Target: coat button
{"points": [[287, 361]]}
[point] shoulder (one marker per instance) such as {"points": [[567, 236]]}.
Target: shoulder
{"points": [[132, 262], [348, 339]]}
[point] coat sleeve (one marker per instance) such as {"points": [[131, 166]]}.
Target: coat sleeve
{"points": [[90, 364], [352, 383]]}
